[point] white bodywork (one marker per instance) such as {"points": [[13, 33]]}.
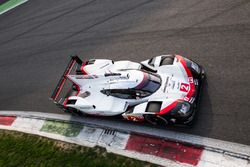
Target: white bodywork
{"points": [[175, 84]]}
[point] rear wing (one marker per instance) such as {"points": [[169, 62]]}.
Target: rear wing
{"points": [[60, 95]]}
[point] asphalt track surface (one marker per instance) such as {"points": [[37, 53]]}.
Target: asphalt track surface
{"points": [[37, 38]]}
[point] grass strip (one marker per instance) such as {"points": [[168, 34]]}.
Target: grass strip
{"points": [[21, 149], [62, 128], [10, 5]]}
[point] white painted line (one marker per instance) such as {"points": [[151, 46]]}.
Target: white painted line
{"points": [[115, 140], [213, 159], [28, 124], [90, 134], [148, 158]]}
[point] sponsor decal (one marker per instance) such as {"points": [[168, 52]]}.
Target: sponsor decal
{"points": [[190, 79], [135, 118], [86, 76], [191, 100]]}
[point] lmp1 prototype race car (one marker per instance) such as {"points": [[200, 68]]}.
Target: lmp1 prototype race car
{"points": [[161, 90]]}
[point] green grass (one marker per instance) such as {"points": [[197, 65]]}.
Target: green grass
{"points": [[20, 149], [62, 128], [10, 4]]}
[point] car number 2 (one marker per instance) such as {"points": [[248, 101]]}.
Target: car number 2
{"points": [[184, 87]]}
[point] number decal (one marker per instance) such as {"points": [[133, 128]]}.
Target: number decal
{"points": [[190, 80], [184, 87]]}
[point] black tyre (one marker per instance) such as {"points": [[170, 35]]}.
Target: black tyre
{"points": [[156, 120]]}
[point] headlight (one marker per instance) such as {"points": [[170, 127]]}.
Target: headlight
{"points": [[184, 110], [195, 67]]}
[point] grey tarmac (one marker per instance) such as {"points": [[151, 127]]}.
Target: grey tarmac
{"points": [[37, 38]]}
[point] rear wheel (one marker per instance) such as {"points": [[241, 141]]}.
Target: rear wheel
{"points": [[73, 111]]}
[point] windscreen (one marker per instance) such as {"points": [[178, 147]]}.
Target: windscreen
{"points": [[150, 83]]}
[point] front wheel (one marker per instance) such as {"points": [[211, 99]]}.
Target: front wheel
{"points": [[156, 120]]}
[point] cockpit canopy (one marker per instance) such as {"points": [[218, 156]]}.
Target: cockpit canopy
{"points": [[148, 85]]}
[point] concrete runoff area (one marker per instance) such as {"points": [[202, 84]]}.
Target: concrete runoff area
{"points": [[143, 147], [36, 40]]}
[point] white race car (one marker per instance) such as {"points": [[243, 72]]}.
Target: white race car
{"points": [[161, 90]]}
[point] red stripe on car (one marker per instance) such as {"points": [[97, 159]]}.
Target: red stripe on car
{"points": [[168, 108], [82, 68], [64, 79], [190, 77], [142, 83]]}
